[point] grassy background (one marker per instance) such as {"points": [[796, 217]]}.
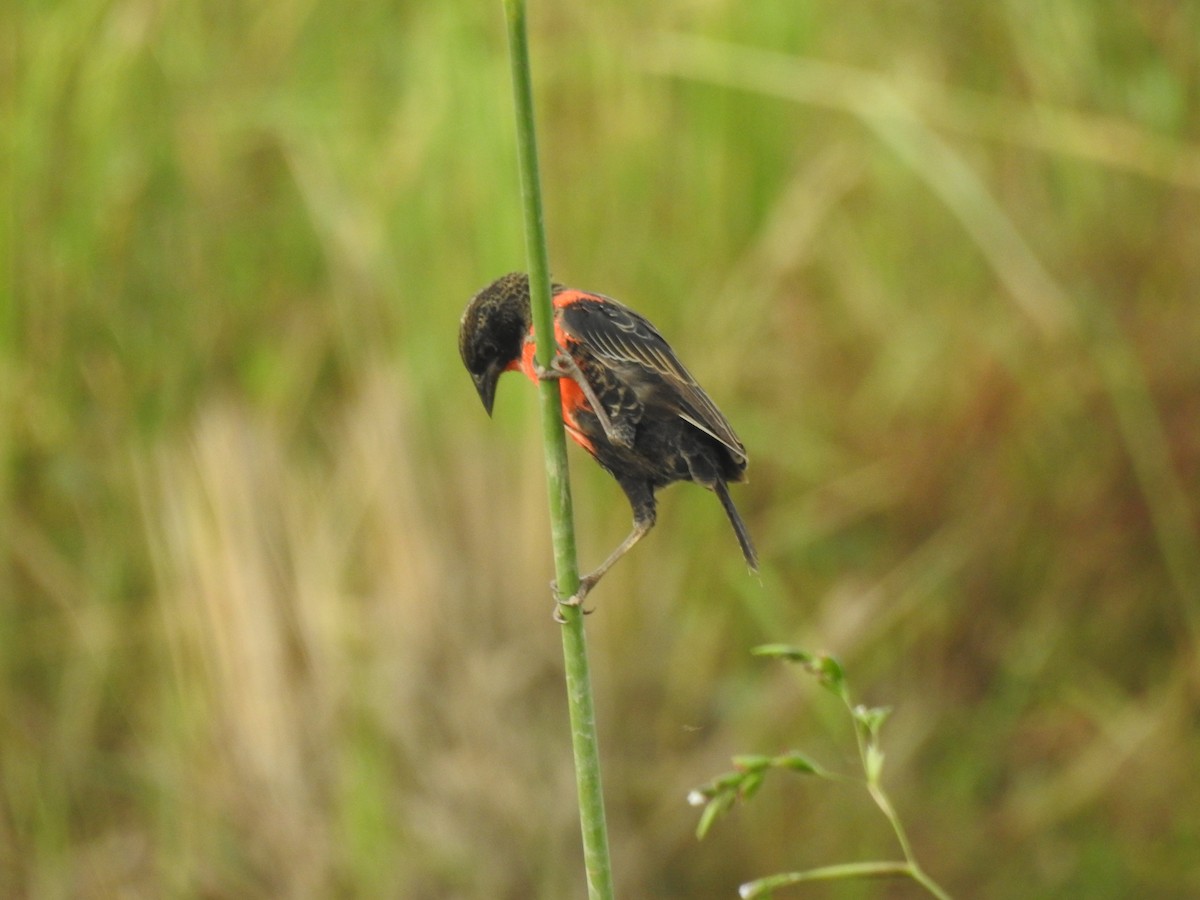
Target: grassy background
{"points": [[273, 588]]}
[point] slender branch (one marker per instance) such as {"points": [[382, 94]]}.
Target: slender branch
{"points": [[722, 792], [764, 887], [562, 520], [867, 738]]}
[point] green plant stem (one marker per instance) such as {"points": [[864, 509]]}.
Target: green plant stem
{"points": [[562, 520], [910, 867], [764, 886]]}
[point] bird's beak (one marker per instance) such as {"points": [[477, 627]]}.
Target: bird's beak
{"points": [[485, 383]]}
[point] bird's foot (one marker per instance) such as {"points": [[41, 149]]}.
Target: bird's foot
{"points": [[586, 583], [561, 366]]}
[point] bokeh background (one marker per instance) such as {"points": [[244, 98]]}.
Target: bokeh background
{"points": [[275, 617]]}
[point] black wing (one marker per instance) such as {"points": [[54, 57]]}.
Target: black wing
{"points": [[617, 334]]}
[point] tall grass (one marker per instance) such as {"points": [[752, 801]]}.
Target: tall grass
{"points": [[249, 501]]}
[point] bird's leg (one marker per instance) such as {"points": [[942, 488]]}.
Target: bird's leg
{"points": [[641, 526], [589, 581], [563, 366]]}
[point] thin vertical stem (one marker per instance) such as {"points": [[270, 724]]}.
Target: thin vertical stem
{"points": [[562, 520]]}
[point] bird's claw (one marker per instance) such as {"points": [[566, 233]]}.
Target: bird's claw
{"points": [[560, 367], [585, 586]]}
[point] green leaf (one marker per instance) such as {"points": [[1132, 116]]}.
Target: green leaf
{"points": [[827, 669], [751, 762], [797, 762], [872, 717], [783, 651], [727, 782], [830, 673], [750, 784], [715, 809]]}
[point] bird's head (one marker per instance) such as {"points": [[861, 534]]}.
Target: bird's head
{"points": [[492, 332]]}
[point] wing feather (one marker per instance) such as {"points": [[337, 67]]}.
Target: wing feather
{"points": [[617, 334]]}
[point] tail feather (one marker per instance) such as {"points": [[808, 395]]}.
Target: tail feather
{"points": [[739, 527]]}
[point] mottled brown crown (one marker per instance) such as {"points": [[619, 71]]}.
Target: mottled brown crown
{"points": [[492, 330]]}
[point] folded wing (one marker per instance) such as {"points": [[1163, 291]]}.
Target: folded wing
{"points": [[617, 334]]}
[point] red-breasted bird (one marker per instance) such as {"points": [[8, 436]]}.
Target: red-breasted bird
{"points": [[626, 398]]}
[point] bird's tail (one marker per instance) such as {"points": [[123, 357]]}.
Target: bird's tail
{"points": [[739, 527]]}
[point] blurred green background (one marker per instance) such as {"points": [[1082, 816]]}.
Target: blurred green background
{"points": [[274, 610]]}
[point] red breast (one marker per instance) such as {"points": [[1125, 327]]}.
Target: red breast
{"points": [[572, 395]]}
